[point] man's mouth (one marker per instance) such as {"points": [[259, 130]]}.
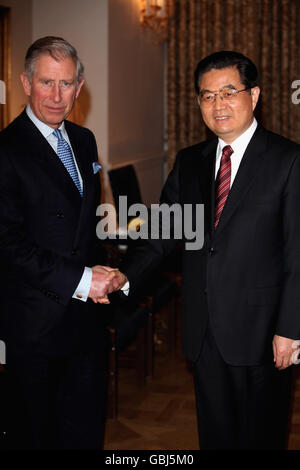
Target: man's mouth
{"points": [[55, 110], [221, 118]]}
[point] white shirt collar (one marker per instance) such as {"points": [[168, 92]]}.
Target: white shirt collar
{"points": [[42, 127], [239, 145]]}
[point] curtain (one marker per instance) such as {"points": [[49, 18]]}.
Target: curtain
{"points": [[4, 65], [267, 31]]}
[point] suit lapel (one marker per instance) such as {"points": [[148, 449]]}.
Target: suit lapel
{"points": [[83, 163], [41, 153], [249, 166], [48, 160], [207, 180]]}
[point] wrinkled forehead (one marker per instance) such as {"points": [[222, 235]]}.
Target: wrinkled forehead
{"points": [[47, 62], [55, 55], [215, 79]]}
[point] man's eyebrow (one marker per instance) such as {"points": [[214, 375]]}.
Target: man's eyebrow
{"points": [[70, 80], [45, 79], [229, 86], [224, 86]]}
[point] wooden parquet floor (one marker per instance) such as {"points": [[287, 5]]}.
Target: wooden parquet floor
{"points": [[161, 414]]}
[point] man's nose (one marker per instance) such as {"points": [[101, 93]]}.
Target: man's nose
{"points": [[219, 102], [56, 93]]}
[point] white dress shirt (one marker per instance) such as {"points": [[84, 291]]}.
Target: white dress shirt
{"points": [[238, 146]]}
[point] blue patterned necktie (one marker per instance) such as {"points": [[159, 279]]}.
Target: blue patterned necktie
{"points": [[65, 154]]}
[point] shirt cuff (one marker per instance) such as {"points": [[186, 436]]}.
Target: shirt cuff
{"points": [[83, 288], [125, 288]]}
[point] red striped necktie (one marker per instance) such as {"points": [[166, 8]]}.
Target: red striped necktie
{"points": [[223, 182]]}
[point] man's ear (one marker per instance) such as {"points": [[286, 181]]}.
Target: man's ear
{"points": [[26, 84], [255, 91], [79, 88]]}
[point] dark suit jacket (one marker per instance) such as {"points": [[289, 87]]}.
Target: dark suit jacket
{"points": [[246, 278], [47, 237]]}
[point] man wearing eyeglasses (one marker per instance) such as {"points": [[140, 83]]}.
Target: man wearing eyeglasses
{"points": [[240, 296], [242, 367]]}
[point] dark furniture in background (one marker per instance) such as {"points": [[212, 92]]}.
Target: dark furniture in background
{"points": [[132, 330]]}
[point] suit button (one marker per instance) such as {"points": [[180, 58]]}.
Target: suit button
{"points": [[205, 291], [74, 252], [59, 215], [211, 251]]}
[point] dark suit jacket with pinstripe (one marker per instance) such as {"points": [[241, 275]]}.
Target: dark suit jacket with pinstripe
{"points": [[246, 278], [47, 237]]}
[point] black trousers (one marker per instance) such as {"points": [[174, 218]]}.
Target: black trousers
{"points": [[56, 403], [240, 407]]}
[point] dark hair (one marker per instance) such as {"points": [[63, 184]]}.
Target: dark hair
{"points": [[54, 46], [221, 60]]}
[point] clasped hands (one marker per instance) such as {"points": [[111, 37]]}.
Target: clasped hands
{"points": [[105, 280]]}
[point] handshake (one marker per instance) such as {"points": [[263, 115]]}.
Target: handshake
{"points": [[105, 280]]}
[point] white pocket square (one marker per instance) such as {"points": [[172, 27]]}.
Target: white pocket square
{"points": [[96, 167]]}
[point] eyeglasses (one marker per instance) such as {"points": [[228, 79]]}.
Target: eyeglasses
{"points": [[228, 95]]}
